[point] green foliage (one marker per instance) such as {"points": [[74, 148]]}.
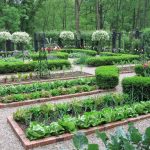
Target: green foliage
{"points": [[55, 55], [45, 90], [10, 19], [142, 70], [39, 86], [138, 88], [13, 67], [74, 108], [85, 51], [107, 77], [120, 140], [110, 60], [146, 38], [96, 118]]}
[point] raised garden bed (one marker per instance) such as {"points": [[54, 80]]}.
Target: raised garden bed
{"points": [[38, 126], [27, 144], [18, 95], [53, 77], [55, 98]]}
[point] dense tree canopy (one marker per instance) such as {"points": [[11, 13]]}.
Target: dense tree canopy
{"points": [[46, 15]]}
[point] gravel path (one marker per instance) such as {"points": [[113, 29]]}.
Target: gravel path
{"points": [[8, 140]]}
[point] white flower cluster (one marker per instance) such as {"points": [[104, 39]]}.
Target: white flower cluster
{"points": [[67, 35], [5, 36], [21, 37], [100, 35]]}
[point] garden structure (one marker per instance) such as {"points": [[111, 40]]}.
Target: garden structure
{"points": [[74, 75]]}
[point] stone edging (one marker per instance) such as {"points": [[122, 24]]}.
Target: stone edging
{"points": [[27, 144], [41, 100]]}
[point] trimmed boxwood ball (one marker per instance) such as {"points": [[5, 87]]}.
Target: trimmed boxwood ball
{"points": [[138, 88], [110, 60], [107, 77], [85, 51]]}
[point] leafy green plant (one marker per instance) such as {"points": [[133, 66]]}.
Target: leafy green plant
{"points": [[120, 140], [88, 119]]}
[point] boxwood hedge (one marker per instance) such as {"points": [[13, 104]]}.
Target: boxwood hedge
{"points": [[138, 88], [60, 55], [110, 60], [85, 51], [13, 67], [107, 77]]}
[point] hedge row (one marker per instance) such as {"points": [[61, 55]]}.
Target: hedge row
{"points": [[142, 70], [60, 55], [107, 77], [88, 52], [109, 54], [14, 67], [110, 60], [138, 88]]}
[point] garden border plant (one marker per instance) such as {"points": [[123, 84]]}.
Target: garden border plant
{"points": [[138, 87], [14, 67], [110, 60], [107, 77], [85, 51]]}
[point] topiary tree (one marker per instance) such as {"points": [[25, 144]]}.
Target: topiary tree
{"points": [[4, 36], [21, 38], [66, 35], [101, 37]]}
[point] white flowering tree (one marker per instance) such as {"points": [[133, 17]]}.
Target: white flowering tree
{"points": [[101, 37], [67, 36], [21, 38], [4, 36]]}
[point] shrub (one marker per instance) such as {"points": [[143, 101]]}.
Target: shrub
{"points": [[88, 52], [110, 54], [60, 55], [14, 67], [67, 35], [142, 70], [100, 35], [107, 77], [110, 60], [138, 88]]}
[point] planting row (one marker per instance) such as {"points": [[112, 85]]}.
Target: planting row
{"points": [[39, 86], [50, 120], [46, 90]]}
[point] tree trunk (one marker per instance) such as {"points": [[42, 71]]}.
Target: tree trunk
{"points": [[77, 22], [97, 15]]}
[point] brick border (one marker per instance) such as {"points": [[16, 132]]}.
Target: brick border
{"points": [[41, 100], [27, 144], [47, 80]]}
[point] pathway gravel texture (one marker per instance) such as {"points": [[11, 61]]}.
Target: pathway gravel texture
{"points": [[8, 140]]}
